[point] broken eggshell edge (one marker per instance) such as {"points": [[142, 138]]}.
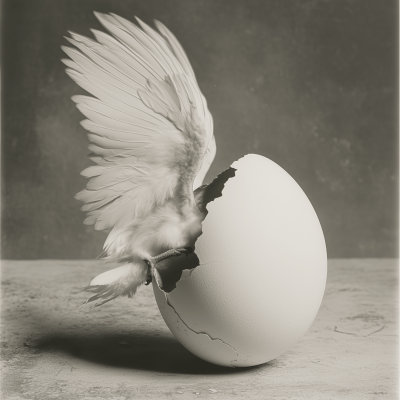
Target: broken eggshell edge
{"points": [[212, 349]]}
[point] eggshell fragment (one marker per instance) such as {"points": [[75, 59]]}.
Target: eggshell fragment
{"points": [[262, 271]]}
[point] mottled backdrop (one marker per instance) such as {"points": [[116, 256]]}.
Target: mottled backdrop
{"points": [[309, 84]]}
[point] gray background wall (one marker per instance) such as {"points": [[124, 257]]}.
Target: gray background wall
{"points": [[308, 84]]}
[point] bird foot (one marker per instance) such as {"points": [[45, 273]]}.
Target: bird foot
{"points": [[172, 253], [152, 261]]}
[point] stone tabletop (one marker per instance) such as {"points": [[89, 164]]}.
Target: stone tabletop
{"points": [[51, 349]]}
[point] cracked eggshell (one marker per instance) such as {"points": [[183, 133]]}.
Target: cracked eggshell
{"points": [[262, 271]]}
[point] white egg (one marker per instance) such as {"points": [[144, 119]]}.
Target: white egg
{"points": [[262, 271]]}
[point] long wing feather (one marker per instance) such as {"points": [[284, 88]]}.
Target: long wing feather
{"points": [[148, 124]]}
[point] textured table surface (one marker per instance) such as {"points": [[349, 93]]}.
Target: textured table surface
{"points": [[123, 350]]}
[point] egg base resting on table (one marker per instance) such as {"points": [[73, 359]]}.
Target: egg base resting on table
{"points": [[262, 271]]}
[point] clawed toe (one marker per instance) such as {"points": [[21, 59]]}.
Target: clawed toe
{"points": [[171, 253]]}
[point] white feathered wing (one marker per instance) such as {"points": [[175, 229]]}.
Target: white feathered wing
{"points": [[149, 128]]}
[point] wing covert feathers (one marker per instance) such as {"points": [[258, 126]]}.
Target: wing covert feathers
{"points": [[148, 123]]}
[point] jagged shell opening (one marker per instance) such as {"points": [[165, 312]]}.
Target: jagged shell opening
{"points": [[171, 270]]}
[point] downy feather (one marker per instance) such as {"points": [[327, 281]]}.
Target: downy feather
{"points": [[151, 138]]}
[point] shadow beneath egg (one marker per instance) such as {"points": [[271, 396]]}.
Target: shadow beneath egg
{"points": [[49, 326], [138, 350]]}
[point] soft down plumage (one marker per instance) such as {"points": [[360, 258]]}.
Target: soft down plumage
{"points": [[152, 142]]}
